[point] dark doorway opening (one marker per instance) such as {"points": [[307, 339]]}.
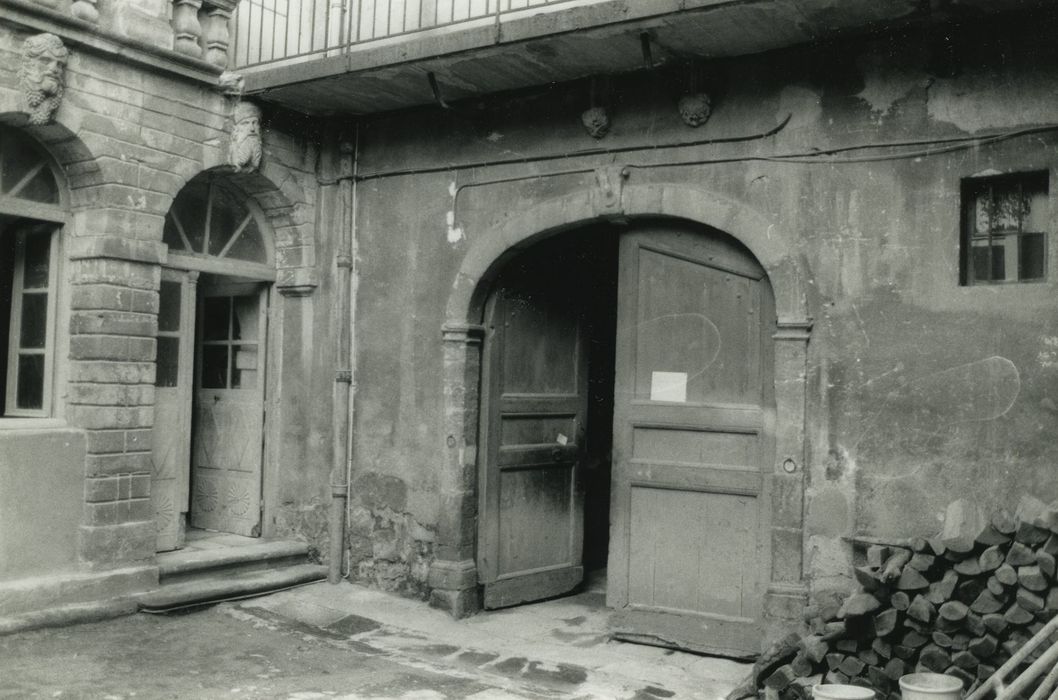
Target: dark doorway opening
{"points": [[567, 285]]}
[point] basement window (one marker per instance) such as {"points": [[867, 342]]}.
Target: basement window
{"points": [[1005, 221]]}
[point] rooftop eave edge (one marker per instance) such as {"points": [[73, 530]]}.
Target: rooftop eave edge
{"points": [[32, 16]]}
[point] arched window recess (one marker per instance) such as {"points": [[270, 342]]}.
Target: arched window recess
{"points": [[29, 184], [32, 211], [211, 227]]}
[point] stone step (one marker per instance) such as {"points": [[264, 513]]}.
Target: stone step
{"points": [[214, 588], [186, 564]]}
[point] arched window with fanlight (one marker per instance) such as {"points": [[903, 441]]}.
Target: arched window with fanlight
{"points": [[212, 227], [32, 213]]}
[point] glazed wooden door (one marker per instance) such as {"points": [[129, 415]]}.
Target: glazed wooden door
{"points": [[229, 409], [533, 411], [171, 437], [692, 447]]}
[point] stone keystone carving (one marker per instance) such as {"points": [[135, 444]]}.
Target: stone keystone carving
{"points": [[695, 109], [608, 190], [40, 76], [244, 153]]}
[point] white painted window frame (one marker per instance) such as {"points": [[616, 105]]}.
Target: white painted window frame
{"points": [[14, 345]]}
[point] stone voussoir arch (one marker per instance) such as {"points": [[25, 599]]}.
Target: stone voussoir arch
{"points": [[283, 208], [76, 162], [453, 575], [751, 228]]}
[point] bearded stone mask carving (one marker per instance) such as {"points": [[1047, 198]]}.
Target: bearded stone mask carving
{"points": [[244, 153], [40, 76]]}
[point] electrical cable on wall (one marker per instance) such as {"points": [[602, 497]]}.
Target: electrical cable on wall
{"points": [[813, 157]]}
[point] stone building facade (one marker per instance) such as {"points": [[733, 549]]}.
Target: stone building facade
{"points": [[875, 183], [136, 123]]}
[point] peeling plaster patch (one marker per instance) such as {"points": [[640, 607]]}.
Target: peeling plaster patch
{"points": [[494, 136], [455, 233], [1048, 357], [803, 104], [976, 102], [886, 80]]}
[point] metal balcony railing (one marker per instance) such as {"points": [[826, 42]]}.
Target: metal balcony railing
{"points": [[273, 31]]}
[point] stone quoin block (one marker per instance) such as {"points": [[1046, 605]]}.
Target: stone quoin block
{"points": [[786, 554], [101, 322], [100, 489], [104, 441], [112, 372], [123, 463], [121, 273], [111, 394], [96, 417], [106, 297], [112, 347]]}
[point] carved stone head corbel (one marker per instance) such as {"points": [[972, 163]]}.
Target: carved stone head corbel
{"points": [[244, 152], [695, 109], [596, 121], [41, 76]]}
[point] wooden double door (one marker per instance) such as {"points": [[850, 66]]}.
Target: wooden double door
{"points": [[693, 407], [209, 406]]}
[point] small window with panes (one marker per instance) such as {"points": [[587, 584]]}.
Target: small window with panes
{"points": [[1005, 228], [30, 220]]}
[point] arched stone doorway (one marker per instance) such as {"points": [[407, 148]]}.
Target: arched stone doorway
{"points": [[212, 362], [455, 575]]}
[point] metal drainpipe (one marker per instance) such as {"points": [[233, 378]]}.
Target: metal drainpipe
{"points": [[341, 456]]}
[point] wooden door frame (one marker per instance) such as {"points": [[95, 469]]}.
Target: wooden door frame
{"points": [[271, 387], [453, 574], [232, 286]]}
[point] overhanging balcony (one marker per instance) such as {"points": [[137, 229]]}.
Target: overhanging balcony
{"points": [[364, 56]]}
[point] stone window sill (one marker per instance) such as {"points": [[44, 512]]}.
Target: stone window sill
{"points": [[31, 424]]}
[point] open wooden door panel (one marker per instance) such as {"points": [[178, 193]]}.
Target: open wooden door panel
{"points": [[533, 412], [692, 443], [171, 439]]}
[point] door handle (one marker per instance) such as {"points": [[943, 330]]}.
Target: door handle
{"points": [[556, 454]]}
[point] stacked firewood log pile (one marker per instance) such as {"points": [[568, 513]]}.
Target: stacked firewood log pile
{"points": [[960, 603]]}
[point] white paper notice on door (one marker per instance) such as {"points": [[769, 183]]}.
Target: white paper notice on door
{"points": [[668, 386]]}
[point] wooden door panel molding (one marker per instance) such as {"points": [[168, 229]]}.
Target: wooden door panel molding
{"points": [[724, 258], [690, 503], [696, 478]]}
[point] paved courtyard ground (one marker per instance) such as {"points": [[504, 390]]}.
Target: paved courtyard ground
{"points": [[345, 641]]}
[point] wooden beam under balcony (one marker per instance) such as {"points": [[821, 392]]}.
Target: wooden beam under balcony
{"points": [[349, 73]]}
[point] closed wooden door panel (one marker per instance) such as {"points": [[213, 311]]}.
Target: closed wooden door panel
{"points": [[691, 443], [229, 411], [532, 504]]}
